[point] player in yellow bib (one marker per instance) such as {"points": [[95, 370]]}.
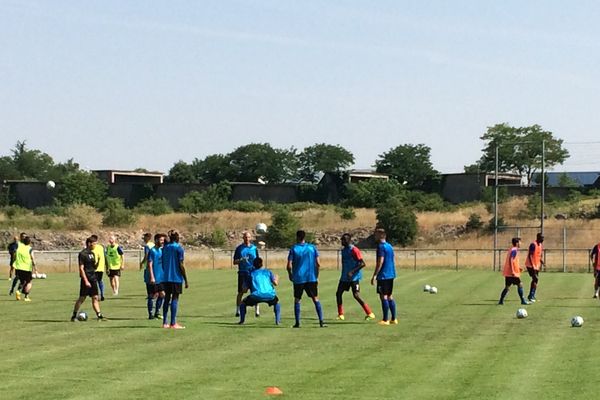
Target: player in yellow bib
{"points": [[24, 263], [114, 262], [101, 266]]}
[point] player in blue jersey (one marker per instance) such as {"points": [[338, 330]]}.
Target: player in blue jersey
{"points": [[148, 244], [153, 276], [385, 272], [244, 257], [173, 279], [262, 290], [303, 270], [352, 265]]}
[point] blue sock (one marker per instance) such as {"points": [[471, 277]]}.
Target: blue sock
{"points": [[242, 313], [159, 303], [521, 294], [150, 304], [385, 307], [174, 305], [503, 295], [392, 304], [319, 310], [101, 287], [277, 310], [297, 313], [166, 309]]}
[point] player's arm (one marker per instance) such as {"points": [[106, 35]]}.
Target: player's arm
{"points": [[151, 270], [33, 261], [593, 253], [378, 264], [121, 257], [289, 269], [145, 259], [513, 263], [237, 256], [317, 265], [182, 267], [274, 279], [360, 263], [106, 266], [82, 274]]}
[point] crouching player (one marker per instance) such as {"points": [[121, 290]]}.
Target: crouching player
{"points": [[262, 290]]}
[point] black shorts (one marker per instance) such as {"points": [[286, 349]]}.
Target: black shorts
{"points": [[385, 287], [243, 282], [344, 286], [99, 275], [23, 276], [88, 291], [252, 301], [114, 272], [172, 287], [309, 287], [512, 280], [154, 288], [533, 272]]}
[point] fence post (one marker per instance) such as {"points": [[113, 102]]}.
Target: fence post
{"points": [[415, 259], [212, 251], [564, 249], [69, 261], [457, 259], [337, 260], [589, 261]]}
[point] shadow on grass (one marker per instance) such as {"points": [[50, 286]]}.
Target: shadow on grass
{"points": [[48, 321]]}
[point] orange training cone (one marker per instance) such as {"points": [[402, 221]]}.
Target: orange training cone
{"points": [[273, 390]]}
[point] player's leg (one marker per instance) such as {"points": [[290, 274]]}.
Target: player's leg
{"points": [[240, 294], [167, 303], [159, 300], [298, 289], [96, 307], [150, 298], [117, 282], [175, 306], [505, 291], [27, 289], [338, 298], [248, 301], [520, 291], [276, 310], [99, 275], [312, 291], [356, 294], [76, 307], [534, 282], [385, 304], [596, 283]]}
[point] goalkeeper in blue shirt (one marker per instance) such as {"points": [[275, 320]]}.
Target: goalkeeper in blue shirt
{"points": [[262, 290]]}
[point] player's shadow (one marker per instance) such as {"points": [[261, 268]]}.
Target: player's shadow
{"points": [[37, 321], [484, 303], [104, 326]]}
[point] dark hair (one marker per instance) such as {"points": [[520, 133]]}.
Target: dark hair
{"points": [[91, 239], [147, 236], [515, 240], [22, 235], [380, 231], [95, 237], [258, 262], [158, 236], [347, 236], [26, 240], [174, 236], [300, 235]]}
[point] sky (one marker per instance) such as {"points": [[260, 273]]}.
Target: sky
{"points": [[128, 84]]}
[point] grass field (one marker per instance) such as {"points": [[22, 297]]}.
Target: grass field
{"points": [[457, 344]]}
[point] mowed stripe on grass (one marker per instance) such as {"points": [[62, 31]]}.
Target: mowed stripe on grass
{"points": [[456, 344]]}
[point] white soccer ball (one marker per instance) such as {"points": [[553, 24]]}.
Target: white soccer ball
{"points": [[433, 290], [521, 313], [577, 322], [43, 276], [261, 228], [426, 288], [82, 316], [35, 276], [50, 185]]}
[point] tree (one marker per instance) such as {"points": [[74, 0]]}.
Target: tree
{"points": [[260, 160], [520, 149], [213, 169], [408, 163], [323, 158], [398, 220], [214, 198], [81, 187], [372, 193], [284, 226], [181, 172]]}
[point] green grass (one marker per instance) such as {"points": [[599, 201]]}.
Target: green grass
{"points": [[455, 345]]}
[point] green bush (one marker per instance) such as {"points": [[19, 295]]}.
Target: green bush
{"points": [[154, 207], [115, 213], [82, 217], [81, 187], [246, 206], [218, 238], [55, 210], [282, 232], [214, 198], [474, 223], [398, 220], [427, 201], [346, 213], [372, 193], [13, 212]]}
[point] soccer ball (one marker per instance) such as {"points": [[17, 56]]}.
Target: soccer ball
{"points": [[433, 290], [521, 313], [82, 316], [261, 228], [42, 276], [426, 288], [577, 322], [50, 185]]}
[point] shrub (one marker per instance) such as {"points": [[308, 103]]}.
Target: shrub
{"points": [[115, 213], [214, 198], [426, 201], [154, 207], [82, 217], [398, 220], [474, 223], [55, 210], [282, 232], [81, 187], [246, 206], [218, 238], [12, 212], [372, 193], [346, 213]]}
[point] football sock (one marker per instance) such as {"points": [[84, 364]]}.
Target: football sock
{"points": [[101, 287], [340, 309], [367, 309], [503, 295], [297, 313], [150, 305], [319, 310], [174, 306], [277, 308], [521, 294], [74, 315], [242, 313], [14, 283], [385, 307], [166, 309], [159, 303], [392, 304]]}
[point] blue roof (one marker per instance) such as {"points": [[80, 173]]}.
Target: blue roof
{"points": [[587, 178]]}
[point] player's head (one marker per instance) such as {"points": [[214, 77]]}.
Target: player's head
{"points": [[22, 236], [300, 236], [380, 234], [112, 239], [26, 240], [91, 242], [539, 238], [516, 241], [257, 263], [95, 237], [346, 239], [159, 239], [246, 237], [146, 237], [174, 236]]}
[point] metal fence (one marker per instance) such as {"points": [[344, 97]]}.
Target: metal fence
{"points": [[556, 259]]}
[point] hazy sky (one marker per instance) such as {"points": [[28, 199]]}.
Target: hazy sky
{"points": [[126, 84]]}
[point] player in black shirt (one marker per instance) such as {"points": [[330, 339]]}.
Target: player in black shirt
{"points": [[88, 285]]}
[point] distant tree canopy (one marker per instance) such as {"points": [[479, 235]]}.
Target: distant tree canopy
{"points": [[520, 150], [26, 164], [408, 163], [323, 158]]}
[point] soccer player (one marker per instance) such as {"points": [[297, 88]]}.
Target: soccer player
{"points": [[153, 276], [303, 270], [352, 265], [88, 285], [114, 260], [385, 273], [101, 265], [512, 272], [23, 263], [244, 257], [595, 257], [148, 244], [262, 290], [173, 278], [12, 250], [533, 263]]}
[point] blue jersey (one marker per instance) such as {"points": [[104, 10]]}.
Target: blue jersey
{"points": [[246, 255], [304, 262], [351, 258], [172, 258], [388, 268], [261, 284], [155, 256]]}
